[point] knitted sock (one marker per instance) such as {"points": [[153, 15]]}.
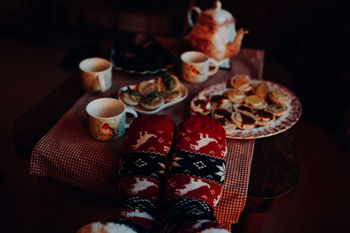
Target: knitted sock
{"points": [[196, 175], [142, 168], [141, 171]]}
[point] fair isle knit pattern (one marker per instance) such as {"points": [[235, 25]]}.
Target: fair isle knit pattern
{"points": [[195, 177], [142, 168]]}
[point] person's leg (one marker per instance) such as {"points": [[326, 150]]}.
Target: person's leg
{"points": [[142, 171], [196, 174]]}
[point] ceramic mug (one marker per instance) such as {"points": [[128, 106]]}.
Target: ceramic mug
{"points": [[196, 66], [107, 118], [96, 74]]}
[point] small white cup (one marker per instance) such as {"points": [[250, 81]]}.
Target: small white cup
{"points": [[95, 74], [196, 66], [107, 118]]}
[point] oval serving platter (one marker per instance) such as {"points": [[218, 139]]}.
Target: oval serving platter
{"points": [[139, 109]]}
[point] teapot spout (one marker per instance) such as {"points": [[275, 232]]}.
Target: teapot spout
{"points": [[233, 48]]}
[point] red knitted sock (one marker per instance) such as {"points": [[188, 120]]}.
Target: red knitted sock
{"points": [[196, 175], [142, 168]]}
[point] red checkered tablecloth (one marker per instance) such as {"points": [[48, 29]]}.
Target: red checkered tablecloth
{"points": [[69, 154]]}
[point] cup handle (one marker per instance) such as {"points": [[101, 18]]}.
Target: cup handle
{"points": [[101, 83], [189, 14], [216, 66], [132, 112]]}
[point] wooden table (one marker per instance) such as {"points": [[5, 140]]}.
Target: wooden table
{"points": [[274, 171]]}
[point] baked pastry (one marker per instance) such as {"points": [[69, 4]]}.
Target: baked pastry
{"points": [[255, 102], [243, 121], [219, 113], [153, 101], [264, 117], [261, 90], [130, 96], [201, 105], [241, 82], [277, 109], [245, 110], [235, 95], [279, 96], [171, 95], [228, 126], [220, 101], [146, 87], [168, 81]]}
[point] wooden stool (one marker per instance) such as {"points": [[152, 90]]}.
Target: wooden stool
{"points": [[274, 175]]}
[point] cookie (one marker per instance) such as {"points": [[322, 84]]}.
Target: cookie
{"points": [[241, 82], [201, 105], [228, 126], [168, 82], [279, 96], [243, 121], [264, 117], [153, 101], [245, 110], [130, 96], [255, 102], [261, 90], [235, 95], [171, 95], [277, 109], [219, 113], [146, 87], [220, 101]]}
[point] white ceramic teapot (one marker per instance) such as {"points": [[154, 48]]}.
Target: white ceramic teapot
{"points": [[214, 32]]}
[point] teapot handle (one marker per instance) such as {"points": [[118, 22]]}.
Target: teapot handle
{"points": [[189, 14]]}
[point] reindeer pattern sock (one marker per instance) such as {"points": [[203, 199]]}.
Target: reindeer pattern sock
{"points": [[142, 168], [195, 177]]}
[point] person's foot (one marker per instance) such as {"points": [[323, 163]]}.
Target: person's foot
{"points": [[141, 174], [195, 177]]}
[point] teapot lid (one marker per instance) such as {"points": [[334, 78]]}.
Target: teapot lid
{"points": [[218, 14]]}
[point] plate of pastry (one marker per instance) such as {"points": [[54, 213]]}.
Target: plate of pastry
{"points": [[152, 96], [248, 108], [140, 53]]}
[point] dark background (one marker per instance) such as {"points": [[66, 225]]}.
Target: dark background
{"points": [[306, 44]]}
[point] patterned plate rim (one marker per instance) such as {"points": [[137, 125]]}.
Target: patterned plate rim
{"points": [[284, 123]]}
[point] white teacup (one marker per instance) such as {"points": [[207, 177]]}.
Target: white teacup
{"points": [[196, 66], [107, 118], [96, 74]]}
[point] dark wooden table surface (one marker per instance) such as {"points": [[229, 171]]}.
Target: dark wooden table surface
{"points": [[274, 171]]}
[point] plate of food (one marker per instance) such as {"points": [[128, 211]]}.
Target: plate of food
{"points": [[152, 96], [248, 108], [140, 53]]}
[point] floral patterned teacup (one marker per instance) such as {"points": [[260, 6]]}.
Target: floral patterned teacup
{"points": [[96, 74], [196, 66], [107, 118]]}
